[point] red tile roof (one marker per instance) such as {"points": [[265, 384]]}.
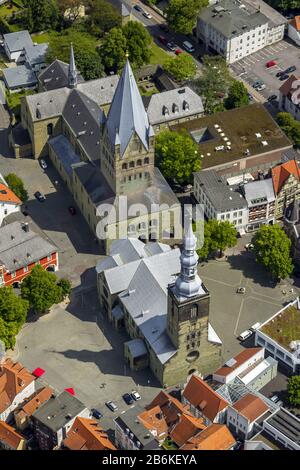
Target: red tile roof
{"points": [[13, 379], [296, 23], [251, 407], [154, 419], [7, 195], [86, 434], [281, 173], [9, 436], [169, 406], [214, 437], [202, 396], [187, 427], [240, 358], [34, 402]]}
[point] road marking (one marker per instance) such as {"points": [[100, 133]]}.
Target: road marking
{"points": [[238, 318]]}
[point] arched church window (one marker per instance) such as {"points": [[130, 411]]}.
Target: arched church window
{"points": [[50, 129], [139, 162]]}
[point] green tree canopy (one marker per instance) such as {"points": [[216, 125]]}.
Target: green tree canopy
{"points": [[293, 388], [237, 95], [41, 289], [272, 250], [13, 312], [65, 286], [86, 57], [177, 156], [290, 126], [214, 83], [181, 67], [218, 235], [284, 5], [113, 50], [102, 17], [182, 14], [41, 15], [17, 186]]}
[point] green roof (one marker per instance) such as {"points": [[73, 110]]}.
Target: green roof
{"points": [[284, 328]]}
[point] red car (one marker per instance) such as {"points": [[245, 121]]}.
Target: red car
{"points": [[271, 63], [178, 51], [72, 210]]}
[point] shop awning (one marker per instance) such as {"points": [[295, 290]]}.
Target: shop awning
{"points": [[38, 372], [71, 391]]}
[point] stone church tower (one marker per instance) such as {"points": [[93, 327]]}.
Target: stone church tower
{"points": [[198, 346]]}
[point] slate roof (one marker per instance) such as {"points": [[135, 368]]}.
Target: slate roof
{"points": [[19, 77], [17, 41], [218, 192], [101, 90], [127, 114], [36, 54], [56, 76], [94, 182], [65, 152], [61, 410], [19, 248], [49, 103], [181, 102]]}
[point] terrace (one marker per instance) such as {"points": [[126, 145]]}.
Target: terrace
{"points": [[244, 132], [284, 328]]}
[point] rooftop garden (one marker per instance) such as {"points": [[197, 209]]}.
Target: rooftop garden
{"points": [[284, 328]]}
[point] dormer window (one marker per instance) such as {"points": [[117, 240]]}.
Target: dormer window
{"points": [[165, 111], [175, 108], [185, 105]]}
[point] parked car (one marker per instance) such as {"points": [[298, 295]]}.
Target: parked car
{"points": [[261, 87], [249, 246], [255, 326], [188, 46], [138, 8], [278, 74], [272, 98], [39, 196], [241, 290], [164, 27], [257, 83], [43, 164], [147, 15], [128, 399], [135, 395], [285, 76], [274, 398], [290, 69], [72, 210], [178, 51], [271, 63], [96, 413], [250, 97], [172, 46], [111, 405], [162, 39], [244, 335]]}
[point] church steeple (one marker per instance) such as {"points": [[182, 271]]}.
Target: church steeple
{"points": [[72, 76], [189, 284]]}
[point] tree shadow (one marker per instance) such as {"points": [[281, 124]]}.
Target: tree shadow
{"points": [[246, 263]]}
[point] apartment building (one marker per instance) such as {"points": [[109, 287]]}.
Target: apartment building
{"points": [[260, 198], [289, 96], [236, 29]]}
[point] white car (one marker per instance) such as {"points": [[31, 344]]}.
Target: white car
{"points": [[135, 395], [147, 15], [261, 87], [43, 164], [244, 335], [249, 246]]}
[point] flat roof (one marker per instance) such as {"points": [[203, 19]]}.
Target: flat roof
{"points": [[244, 128], [284, 327], [286, 423]]}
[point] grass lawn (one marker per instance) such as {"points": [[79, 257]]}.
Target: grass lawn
{"points": [[6, 11], [159, 56], [168, 445], [147, 92], [43, 37], [14, 101], [285, 327]]}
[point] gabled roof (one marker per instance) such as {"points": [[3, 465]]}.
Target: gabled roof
{"points": [[20, 76], [86, 434], [187, 427], [202, 396], [9, 436], [56, 76], [239, 359], [169, 406], [282, 172], [34, 402], [36, 53], [251, 407], [17, 41], [14, 378], [8, 196], [286, 87], [214, 437], [295, 22], [154, 420], [127, 114]]}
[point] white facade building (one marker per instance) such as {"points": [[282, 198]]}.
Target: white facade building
{"points": [[289, 96], [236, 28]]}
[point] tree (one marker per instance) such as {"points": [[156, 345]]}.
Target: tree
{"points": [[113, 50], [13, 311], [71, 9], [17, 186], [293, 389], [103, 17], [41, 289], [209, 245], [218, 235], [272, 249], [290, 126], [181, 67], [177, 155], [214, 83], [65, 286], [138, 42], [86, 57], [182, 14], [284, 5], [41, 15], [237, 96]]}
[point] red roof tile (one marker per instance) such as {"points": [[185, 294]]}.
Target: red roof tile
{"points": [[296, 23], [86, 434], [214, 437], [281, 173], [7, 195], [251, 407], [186, 428], [240, 358], [13, 379], [9, 436]]}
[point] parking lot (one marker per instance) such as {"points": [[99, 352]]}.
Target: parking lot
{"points": [[253, 67]]}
